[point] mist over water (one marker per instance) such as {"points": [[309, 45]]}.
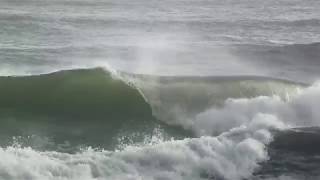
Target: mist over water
{"points": [[159, 90]]}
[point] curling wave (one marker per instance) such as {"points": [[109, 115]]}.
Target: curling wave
{"points": [[100, 105]]}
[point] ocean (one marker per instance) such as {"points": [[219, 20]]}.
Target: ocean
{"points": [[159, 90]]}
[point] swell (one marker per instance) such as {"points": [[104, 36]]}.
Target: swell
{"points": [[94, 93]]}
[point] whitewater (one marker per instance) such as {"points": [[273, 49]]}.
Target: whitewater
{"points": [[159, 90]]}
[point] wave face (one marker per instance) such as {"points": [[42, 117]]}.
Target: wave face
{"points": [[68, 105]]}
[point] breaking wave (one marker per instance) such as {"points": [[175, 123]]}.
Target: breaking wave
{"points": [[171, 127]]}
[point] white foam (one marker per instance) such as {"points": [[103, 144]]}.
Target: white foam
{"points": [[300, 110], [233, 155]]}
